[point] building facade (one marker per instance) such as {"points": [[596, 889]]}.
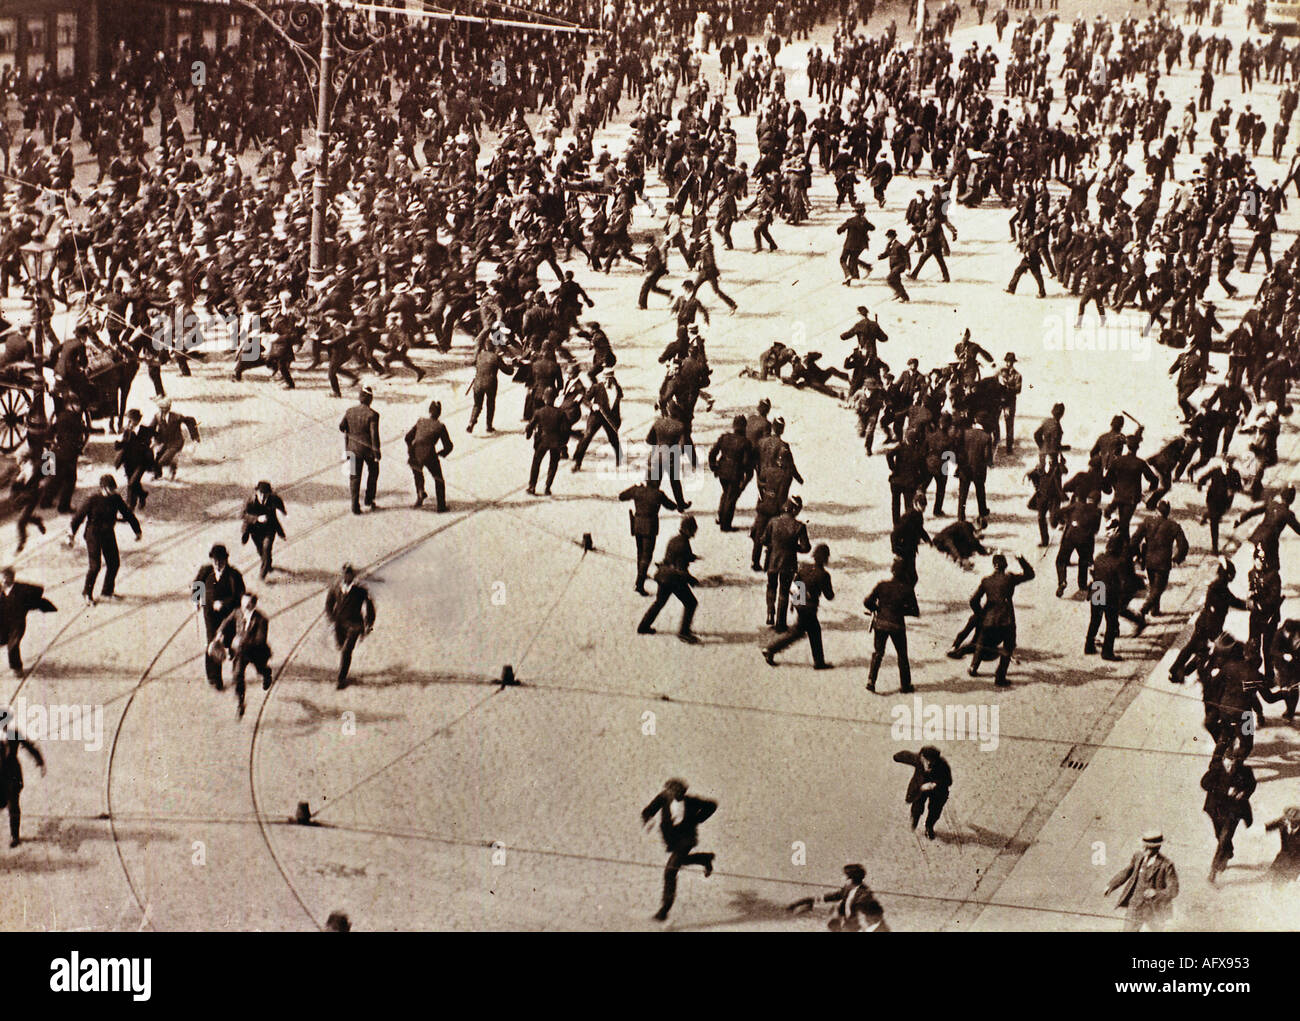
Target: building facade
{"points": [[59, 35], [78, 37]]}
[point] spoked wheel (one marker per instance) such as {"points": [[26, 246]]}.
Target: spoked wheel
{"points": [[15, 406]]}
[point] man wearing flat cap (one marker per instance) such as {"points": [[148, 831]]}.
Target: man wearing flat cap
{"points": [[1147, 885]]}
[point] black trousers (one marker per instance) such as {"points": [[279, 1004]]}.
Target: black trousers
{"points": [[899, 638], [805, 623], [938, 257], [727, 502], [136, 494], [483, 398], [346, 637], [535, 470], [963, 491], [934, 802], [1097, 613], [264, 541], [645, 553], [778, 596], [11, 795], [371, 465], [258, 658], [1201, 633], [678, 857], [434, 467], [1157, 582], [895, 281], [212, 665], [595, 423], [1034, 270], [996, 640], [651, 285], [1225, 825], [667, 588], [101, 547], [14, 642], [1069, 546]]}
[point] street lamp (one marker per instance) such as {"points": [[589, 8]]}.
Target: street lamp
{"points": [[38, 261]]}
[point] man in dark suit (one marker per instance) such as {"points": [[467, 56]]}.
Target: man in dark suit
{"points": [[249, 629], [100, 514], [11, 771], [679, 820], [549, 429], [217, 590], [422, 449], [17, 600], [604, 400], [360, 428], [929, 786], [1228, 785], [262, 522], [352, 612], [135, 457]]}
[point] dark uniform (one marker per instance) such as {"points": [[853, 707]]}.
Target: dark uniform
{"points": [[1082, 521], [1124, 479], [1163, 544], [812, 581], [549, 429], [1209, 622], [1112, 584], [974, 455], [674, 579], [992, 603], [665, 439], [423, 453], [891, 602], [785, 538], [644, 517], [732, 460]]}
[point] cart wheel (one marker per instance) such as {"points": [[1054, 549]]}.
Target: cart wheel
{"points": [[15, 405]]}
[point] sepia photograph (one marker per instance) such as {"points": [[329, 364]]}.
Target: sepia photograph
{"points": [[649, 466]]}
